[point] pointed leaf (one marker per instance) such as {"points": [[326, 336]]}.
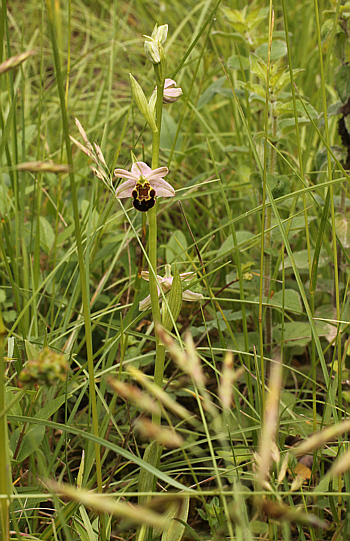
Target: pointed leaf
{"points": [[319, 239], [175, 529], [171, 312], [146, 478]]}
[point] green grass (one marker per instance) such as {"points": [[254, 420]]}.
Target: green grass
{"points": [[261, 218]]}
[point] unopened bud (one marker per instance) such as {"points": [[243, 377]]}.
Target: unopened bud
{"points": [[152, 52], [160, 33], [154, 44]]}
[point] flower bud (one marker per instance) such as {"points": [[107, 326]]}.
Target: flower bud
{"points": [[153, 46], [142, 103], [160, 33], [152, 52]]}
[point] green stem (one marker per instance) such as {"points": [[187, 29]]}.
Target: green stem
{"points": [[81, 259], [152, 224], [5, 480]]}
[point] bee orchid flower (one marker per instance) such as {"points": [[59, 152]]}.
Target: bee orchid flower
{"points": [[143, 184], [165, 283]]}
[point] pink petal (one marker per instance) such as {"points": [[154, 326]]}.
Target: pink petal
{"points": [[187, 275], [191, 296], [146, 303], [173, 92], [168, 83], [145, 276], [125, 189], [157, 174], [140, 168], [166, 283], [123, 173], [162, 188]]}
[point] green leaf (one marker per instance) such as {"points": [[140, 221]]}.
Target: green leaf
{"points": [[50, 408], [258, 66], [85, 212], [298, 333], [146, 478], [319, 240], [342, 82], [2, 295], [176, 247], [142, 103], [342, 227], [287, 125], [279, 185], [175, 529], [47, 236], [258, 527], [31, 351], [30, 443], [292, 300], [278, 50], [210, 92], [171, 312], [168, 133], [228, 245], [301, 260], [238, 62]]}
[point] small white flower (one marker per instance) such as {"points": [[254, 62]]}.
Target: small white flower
{"points": [[143, 184], [165, 283]]}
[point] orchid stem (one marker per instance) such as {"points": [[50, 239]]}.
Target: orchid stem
{"points": [[152, 224]]}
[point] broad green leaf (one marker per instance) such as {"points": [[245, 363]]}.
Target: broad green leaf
{"points": [[258, 66], [210, 92], [146, 478], [171, 312], [50, 408], [301, 260], [176, 247], [238, 62], [342, 227], [228, 245], [2, 295], [31, 351], [31, 441], [342, 82], [47, 235], [258, 527], [175, 529], [278, 50], [298, 333], [292, 300], [279, 185], [287, 125], [168, 133], [85, 212]]}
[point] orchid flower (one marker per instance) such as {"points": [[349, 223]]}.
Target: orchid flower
{"points": [[143, 184], [165, 283], [171, 92]]}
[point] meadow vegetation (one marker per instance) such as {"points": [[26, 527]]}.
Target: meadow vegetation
{"points": [[218, 411]]}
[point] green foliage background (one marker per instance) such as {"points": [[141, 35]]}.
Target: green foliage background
{"points": [[258, 153]]}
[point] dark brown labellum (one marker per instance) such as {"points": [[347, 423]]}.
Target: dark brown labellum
{"points": [[144, 197]]}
